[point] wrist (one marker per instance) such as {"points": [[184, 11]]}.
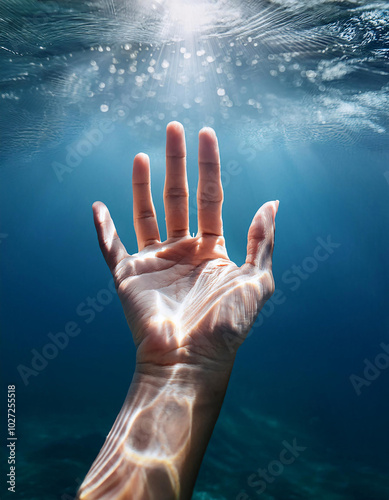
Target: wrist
{"points": [[206, 381]]}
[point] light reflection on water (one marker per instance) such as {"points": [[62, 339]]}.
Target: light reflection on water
{"points": [[285, 71]]}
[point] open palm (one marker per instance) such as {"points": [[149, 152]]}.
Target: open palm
{"points": [[184, 300]]}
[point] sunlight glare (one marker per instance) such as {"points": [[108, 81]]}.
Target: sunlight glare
{"points": [[188, 17]]}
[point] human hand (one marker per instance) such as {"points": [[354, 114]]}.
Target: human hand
{"points": [[189, 308], [184, 300]]}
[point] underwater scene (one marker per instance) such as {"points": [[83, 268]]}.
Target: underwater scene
{"points": [[298, 95]]}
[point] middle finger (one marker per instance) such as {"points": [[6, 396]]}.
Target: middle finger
{"points": [[176, 193]]}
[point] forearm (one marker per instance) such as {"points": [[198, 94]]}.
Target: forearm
{"points": [[156, 445]]}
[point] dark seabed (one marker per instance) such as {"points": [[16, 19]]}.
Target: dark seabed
{"points": [[298, 93]]}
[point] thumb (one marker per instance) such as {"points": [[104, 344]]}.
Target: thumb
{"points": [[111, 247], [260, 241]]}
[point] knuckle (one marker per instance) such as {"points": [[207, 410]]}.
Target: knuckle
{"points": [[176, 192], [144, 214], [209, 196]]}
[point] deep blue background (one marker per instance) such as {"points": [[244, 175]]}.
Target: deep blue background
{"points": [[293, 371]]}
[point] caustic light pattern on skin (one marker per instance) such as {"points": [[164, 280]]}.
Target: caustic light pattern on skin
{"points": [[93, 305], [135, 441]]}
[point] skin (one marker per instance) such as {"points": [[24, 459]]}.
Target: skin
{"points": [[189, 308]]}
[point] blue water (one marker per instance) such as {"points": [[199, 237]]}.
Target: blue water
{"points": [[307, 123]]}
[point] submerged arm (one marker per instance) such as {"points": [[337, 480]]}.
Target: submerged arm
{"points": [[189, 308], [157, 443]]}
